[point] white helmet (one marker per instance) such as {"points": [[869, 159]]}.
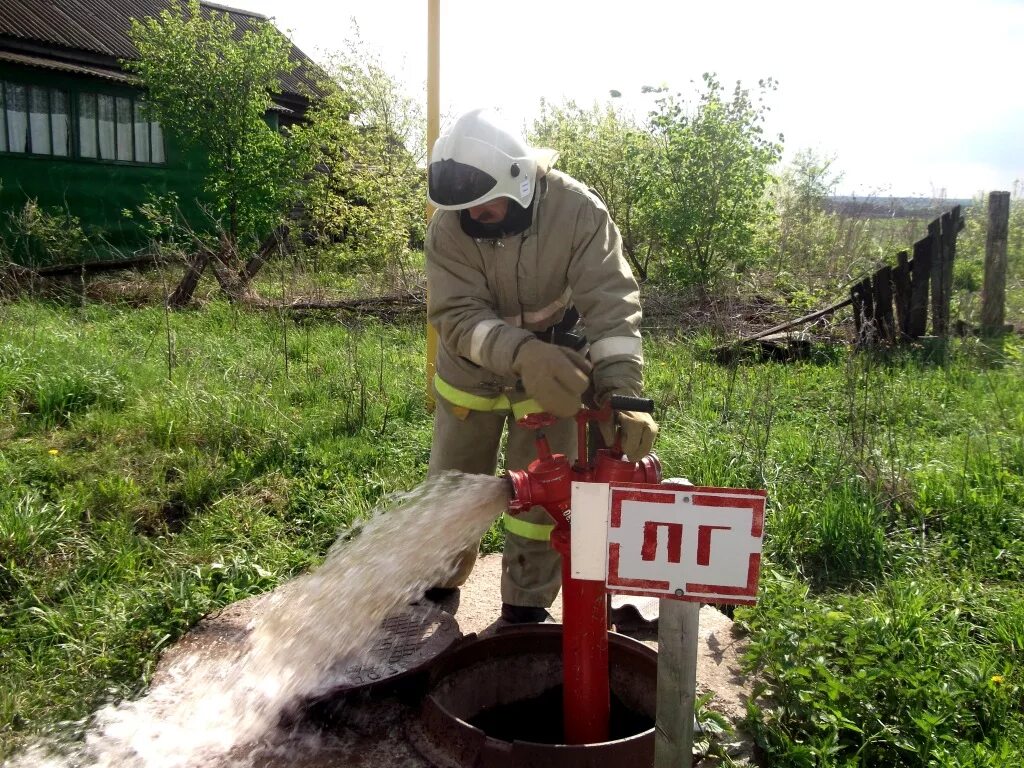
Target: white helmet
{"points": [[481, 159]]}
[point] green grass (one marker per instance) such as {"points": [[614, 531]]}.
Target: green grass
{"points": [[154, 468], [135, 498], [890, 629]]}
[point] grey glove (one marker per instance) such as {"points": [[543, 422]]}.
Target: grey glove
{"points": [[556, 377]]}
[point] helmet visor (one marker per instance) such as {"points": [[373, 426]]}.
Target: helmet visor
{"points": [[453, 183]]}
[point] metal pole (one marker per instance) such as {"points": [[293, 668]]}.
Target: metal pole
{"points": [[586, 696], [433, 128], [677, 683]]}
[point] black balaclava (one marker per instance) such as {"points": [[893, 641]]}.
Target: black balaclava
{"points": [[518, 219]]}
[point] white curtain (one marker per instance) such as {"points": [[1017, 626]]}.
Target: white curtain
{"points": [[158, 142], [124, 128], [3, 117], [39, 119], [17, 118], [87, 124], [105, 107], [59, 122], [141, 135]]}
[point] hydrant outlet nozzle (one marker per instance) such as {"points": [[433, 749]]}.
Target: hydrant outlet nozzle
{"points": [[520, 495]]}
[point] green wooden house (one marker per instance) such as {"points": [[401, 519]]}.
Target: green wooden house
{"points": [[73, 133]]}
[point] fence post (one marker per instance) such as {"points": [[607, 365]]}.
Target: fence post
{"points": [[993, 292]]}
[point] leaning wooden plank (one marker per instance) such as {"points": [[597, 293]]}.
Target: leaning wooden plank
{"points": [[881, 292], [798, 321], [952, 223], [869, 329], [940, 301], [858, 310], [901, 293], [920, 274]]}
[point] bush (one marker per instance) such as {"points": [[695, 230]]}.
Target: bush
{"points": [[37, 236]]}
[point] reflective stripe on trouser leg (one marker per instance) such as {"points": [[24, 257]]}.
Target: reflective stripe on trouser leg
{"points": [[531, 571], [468, 445], [535, 531]]}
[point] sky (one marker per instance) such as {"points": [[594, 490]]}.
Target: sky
{"points": [[911, 97]]}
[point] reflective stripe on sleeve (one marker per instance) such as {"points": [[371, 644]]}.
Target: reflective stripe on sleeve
{"points": [[476, 340], [616, 346], [525, 530], [465, 399], [543, 314]]}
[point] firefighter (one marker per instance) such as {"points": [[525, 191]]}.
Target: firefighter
{"points": [[516, 254]]}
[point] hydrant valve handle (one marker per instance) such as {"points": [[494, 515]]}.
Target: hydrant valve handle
{"points": [[627, 403], [536, 420]]}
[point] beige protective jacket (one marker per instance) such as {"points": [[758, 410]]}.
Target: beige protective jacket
{"points": [[488, 296]]}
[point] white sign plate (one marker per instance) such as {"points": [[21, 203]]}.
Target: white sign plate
{"points": [[681, 542]]}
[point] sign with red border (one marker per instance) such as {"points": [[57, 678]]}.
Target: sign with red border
{"points": [[685, 542]]}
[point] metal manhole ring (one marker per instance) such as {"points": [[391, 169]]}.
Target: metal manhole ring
{"points": [[409, 640]]}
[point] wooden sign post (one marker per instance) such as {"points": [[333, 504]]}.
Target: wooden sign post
{"points": [[678, 626]]}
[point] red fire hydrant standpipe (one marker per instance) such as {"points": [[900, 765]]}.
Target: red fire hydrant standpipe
{"points": [[548, 483]]}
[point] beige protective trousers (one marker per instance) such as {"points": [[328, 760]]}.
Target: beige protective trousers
{"points": [[469, 442]]}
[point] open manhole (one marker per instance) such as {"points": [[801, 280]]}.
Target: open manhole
{"points": [[495, 702]]}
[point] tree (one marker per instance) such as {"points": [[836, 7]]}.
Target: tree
{"points": [[808, 233], [212, 89], [715, 164], [608, 151], [366, 139]]}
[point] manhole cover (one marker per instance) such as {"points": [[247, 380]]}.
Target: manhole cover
{"points": [[408, 640]]}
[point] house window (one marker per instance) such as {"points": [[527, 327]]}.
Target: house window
{"points": [[116, 128], [34, 119]]}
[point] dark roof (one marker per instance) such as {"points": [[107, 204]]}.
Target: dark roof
{"points": [[42, 62], [95, 33]]}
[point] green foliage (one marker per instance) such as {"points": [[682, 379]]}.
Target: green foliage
{"points": [[890, 625], [211, 89], [919, 672], [365, 140], [36, 236], [687, 190], [604, 148], [716, 164], [807, 233]]}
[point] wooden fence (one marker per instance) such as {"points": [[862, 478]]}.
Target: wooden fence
{"points": [[892, 305]]}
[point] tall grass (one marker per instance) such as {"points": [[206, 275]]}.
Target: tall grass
{"points": [[137, 497]]}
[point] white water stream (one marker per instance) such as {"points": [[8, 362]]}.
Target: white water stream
{"points": [[214, 709]]}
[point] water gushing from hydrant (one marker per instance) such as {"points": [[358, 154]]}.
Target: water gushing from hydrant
{"points": [[216, 710]]}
